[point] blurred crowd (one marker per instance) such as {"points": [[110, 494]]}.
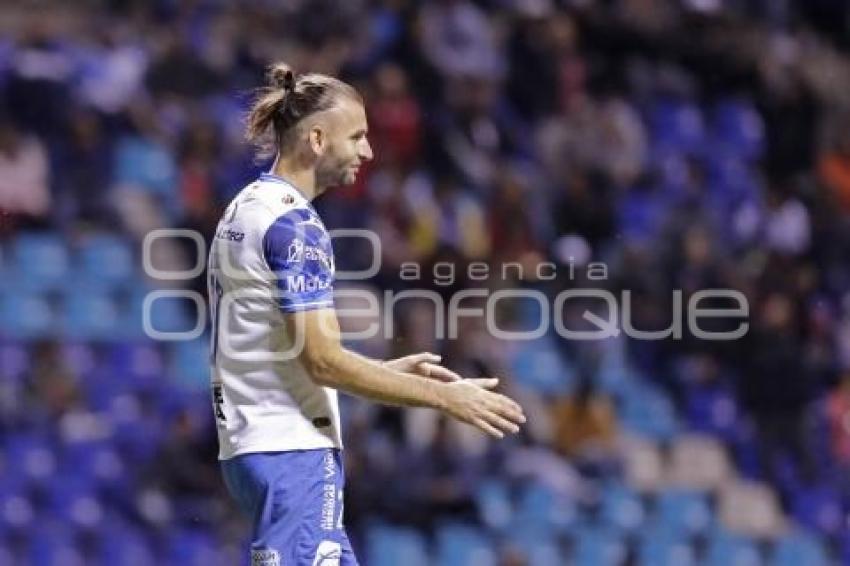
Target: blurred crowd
{"points": [[684, 144]]}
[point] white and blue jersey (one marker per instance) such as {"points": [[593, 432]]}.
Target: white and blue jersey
{"points": [[271, 255], [278, 431]]}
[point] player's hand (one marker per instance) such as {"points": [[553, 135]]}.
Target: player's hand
{"points": [[469, 401], [425, 364]]}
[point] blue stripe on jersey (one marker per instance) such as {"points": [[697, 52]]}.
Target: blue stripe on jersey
{"points": [[298, 250]]}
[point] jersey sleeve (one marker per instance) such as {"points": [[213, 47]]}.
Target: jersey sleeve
{"points": [[299, 254]]}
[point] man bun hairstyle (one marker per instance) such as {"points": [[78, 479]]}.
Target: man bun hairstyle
{"points": [[285, 101]]}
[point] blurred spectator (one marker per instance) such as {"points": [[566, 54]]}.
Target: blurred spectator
{"points": [[585, 429], [838, 417], [24, 175]]}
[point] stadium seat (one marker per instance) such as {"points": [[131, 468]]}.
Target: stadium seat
{"points": [[140, 363], [659, 548], [541, 509], [90, 315], [464, 545], [698, 462], [684, 513], [677, 125], [647, 411], [739, 129], [536, 548], [389, 546], [819, 508], [52, 543], [798, 548], [725, 549], [598, 547], [621, 508], [40, 262], [750, 509], [74, 501], [190, 361], [106, 261], [643, 463], [192, 547], [539, 366], [17, 512], [495, 508], [27, 316], [121, 544], [34, 454]]}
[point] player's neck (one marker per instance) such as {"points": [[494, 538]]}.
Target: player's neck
{"points": [[303, 179]]}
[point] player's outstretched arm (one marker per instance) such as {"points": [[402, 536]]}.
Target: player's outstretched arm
{"points": [[331, 365]]}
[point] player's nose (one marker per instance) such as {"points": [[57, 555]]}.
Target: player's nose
{"points": [[366, 151]]}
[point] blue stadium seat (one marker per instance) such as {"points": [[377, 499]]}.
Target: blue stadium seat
{"points": [[464, 545], [686, 513], [52, 543], [190, 361], [27, 316], [493, 499], [35, 455], [192, 547], [677, 125], [389, 546], [725, 549], [739, 128], [598, 547], [167, 314], [106, 261], [731, 181], [74, 501], [539, 366], [799, 548], [621, 508], [537, 547], [17, 510], [660, 548], [541, 509], [649, 412], [90, 315], [40, 262], [819, 508], [122, 544], [141, 361]]}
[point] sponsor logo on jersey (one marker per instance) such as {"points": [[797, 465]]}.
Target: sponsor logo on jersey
{"points": [[295, 252], [304, 283], [329, 553], [313, 253], [230, 235], [265, 557]]}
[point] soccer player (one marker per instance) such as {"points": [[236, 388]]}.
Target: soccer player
{"points": [[271, 272]]}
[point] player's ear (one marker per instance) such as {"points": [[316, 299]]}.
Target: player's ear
{"points": [[317, 139]]}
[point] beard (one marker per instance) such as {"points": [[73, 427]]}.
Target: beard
{"points": [[335, 172]]}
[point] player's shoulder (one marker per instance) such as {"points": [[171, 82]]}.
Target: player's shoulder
{"points": [[267, 201]]}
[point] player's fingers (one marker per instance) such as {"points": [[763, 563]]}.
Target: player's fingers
{"points": [[439, 372], [423, 357], [501, 423], [487, 427], [510, 404], [484, 382], [507, 408]]}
